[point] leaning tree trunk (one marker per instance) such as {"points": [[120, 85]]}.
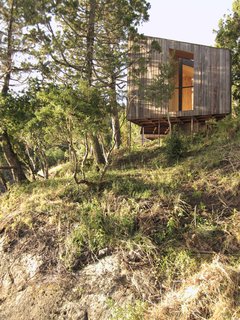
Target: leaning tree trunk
{"points": [[3, 181], [97, 150], [10, 156], [115, 117], [12, 159], [116, 127]]}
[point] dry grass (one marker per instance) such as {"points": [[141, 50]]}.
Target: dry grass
{"points": [[213, 293]]}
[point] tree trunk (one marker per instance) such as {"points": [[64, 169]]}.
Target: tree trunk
{"points": [[115, 118], [9, 53], [31, 163], [10, 156], [97, 150], [116, 127], [169, 123], [12, 159], [3, 181], [90, 40]]}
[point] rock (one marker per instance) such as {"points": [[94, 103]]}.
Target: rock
{"points": [[30, 292]]}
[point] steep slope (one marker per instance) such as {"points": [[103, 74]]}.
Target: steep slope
{"points": [[134, 247]]}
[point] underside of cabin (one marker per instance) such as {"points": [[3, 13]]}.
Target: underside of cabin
{"points": [[153, 128]]}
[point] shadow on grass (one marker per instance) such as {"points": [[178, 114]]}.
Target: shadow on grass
{"points": [[139, 158], [135, 187], [39, 185]]}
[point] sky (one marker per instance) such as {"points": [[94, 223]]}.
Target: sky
{"points": [[186, 20]]}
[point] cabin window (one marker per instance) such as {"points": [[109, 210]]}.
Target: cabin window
{"points": [[182, 99]]}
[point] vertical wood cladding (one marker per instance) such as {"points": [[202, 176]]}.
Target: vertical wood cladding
{"points": [[212, 84]]}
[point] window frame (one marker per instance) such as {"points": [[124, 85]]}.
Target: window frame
{"points": [[182, 58], [181, 63]]}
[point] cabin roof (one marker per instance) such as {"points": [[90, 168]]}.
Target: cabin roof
{"points": [[195, 44]]}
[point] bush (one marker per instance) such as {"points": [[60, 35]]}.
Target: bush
{"points": [[175, 147], [228, 128], [55, 156], [95, 231], [175, 265]]}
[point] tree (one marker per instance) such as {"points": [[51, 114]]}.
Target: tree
{"points": [[90, 43], [163, 85], [72, 41], [68, 38], [228, 37], [160, 89], [120, 22], [12, 21], [15, 112], [61, 117]]}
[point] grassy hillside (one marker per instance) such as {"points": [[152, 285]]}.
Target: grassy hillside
{"points": [[174, 213]]}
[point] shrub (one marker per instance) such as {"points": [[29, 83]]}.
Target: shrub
{"points": [[175, 265], [175, 147], [96, 230], [228, 128], [55, 156]]}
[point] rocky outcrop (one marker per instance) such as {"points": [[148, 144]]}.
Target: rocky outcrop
{"points": [[30, 291]]}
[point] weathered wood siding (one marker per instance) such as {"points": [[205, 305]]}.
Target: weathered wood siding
{"points": [[212, 84]]}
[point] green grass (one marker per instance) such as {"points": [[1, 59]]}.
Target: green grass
{"points": [[163, 209]]}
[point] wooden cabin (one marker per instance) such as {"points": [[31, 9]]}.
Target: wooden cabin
{"points": [[202, 86]]}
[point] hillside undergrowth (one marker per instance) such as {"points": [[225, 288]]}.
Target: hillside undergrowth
{"points": [[173, 215]]}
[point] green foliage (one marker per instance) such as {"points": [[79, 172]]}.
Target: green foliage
{"points": [[47, 118], [55, 156], [228, 129], [131, 186], [175, 147], [155, 46], [97, 230], [165, 218], [175, 265], [16, 21], [80, 51], [130, 311], [61, 104], [228, 37], [15, 111], [68, 41], [162, 87], [125, 132]]}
